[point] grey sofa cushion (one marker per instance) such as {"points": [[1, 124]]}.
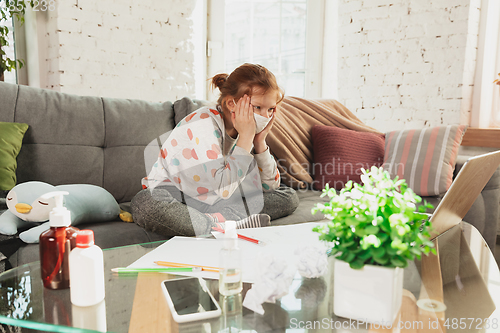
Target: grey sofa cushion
{"points": [[135, 122], [130, 126], [308, 199], [59, 164], [60, 119], [186, 105], [82, 139], [8, 97], [124, 168]]}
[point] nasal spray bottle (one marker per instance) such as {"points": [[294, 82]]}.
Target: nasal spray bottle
{"points": [[56, 244], [230, 278]]}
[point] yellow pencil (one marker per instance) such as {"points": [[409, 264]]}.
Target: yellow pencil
{"points": [[175, 264]]}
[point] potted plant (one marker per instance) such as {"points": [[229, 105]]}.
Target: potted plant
{"points": [[8, 9], [374, 230]]}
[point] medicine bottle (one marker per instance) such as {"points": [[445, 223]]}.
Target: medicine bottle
{"points": [[231, 319], [56, 244], [86, 267], [230, 278]]}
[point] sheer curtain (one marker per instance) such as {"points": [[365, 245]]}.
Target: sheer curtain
{"points": [[495, 110], [486, 100]]}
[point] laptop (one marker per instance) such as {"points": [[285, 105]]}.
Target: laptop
{"points": [[464, 190]]}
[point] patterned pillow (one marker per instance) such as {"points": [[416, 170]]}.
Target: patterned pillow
{"points": [[339, 155], [425, 158]]}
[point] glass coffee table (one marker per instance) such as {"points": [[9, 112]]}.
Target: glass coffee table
{"points": [[465, 278]]}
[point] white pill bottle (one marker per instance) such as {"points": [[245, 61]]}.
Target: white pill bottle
{"points": [[86, 271]]}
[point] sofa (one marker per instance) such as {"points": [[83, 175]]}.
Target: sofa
{"points": [[101, 141]]}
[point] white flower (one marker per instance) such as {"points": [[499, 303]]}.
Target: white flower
{"points": [[356, 194]]}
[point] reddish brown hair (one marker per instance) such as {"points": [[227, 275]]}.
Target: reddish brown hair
{"points": [[243, 79]]}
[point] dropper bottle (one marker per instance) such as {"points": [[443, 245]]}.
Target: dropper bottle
{"points": [[56, 244]]}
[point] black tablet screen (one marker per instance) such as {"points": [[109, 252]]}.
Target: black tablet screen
{"points": [[188, 296]]}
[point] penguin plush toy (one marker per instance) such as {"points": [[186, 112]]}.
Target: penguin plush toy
{"points": [[87, 203]]}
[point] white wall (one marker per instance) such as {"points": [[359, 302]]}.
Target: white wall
{"points": [[121, 49], [408, 63], [401, 63]]}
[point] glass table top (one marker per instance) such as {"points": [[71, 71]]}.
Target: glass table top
{"points": [[135, 303]]}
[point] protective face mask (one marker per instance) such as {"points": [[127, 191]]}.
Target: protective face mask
{"points": [[261, 122]]}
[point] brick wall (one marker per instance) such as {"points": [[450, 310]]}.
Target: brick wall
{"points": [[408, 63], [121, 48]]}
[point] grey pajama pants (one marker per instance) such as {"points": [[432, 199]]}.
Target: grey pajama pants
{"points": [[168, 212]]}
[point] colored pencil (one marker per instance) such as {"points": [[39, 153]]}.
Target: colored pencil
{"points": [[175, 264], [256, 241], [159, 269]]}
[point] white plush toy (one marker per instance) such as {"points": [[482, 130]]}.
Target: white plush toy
{"points": [[87, 203]]}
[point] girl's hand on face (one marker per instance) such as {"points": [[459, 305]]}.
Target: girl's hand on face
{"points": [[259, 140], [242, 117]]}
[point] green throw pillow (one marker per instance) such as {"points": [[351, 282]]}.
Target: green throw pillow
{"points": [[11, 139]]}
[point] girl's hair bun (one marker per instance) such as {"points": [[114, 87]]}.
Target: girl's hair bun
{"points": [[219, 80], [243, 80]]}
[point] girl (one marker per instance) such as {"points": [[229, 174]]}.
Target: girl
{"points": [[216, 166]]}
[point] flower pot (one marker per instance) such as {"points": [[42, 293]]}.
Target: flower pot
{"points": [[372, 294]]}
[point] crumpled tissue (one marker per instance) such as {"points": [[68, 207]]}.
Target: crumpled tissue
{"points": [[274, 277], [312, 261]]}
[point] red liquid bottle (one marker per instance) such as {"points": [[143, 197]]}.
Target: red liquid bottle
{"points": [[56, 244]]}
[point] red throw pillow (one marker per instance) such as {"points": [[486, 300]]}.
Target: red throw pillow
{"points": [[339, 155]]}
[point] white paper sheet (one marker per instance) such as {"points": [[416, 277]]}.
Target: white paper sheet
{"points": [[281, 241]]}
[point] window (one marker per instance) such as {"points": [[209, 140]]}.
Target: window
{"points": [[272, 34], [285, 36], [486, 99], [10, 77]]}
